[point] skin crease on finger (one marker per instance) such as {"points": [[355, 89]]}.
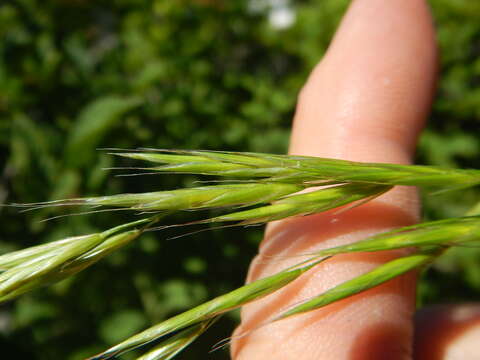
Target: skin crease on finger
{"points": [[365, 101]]}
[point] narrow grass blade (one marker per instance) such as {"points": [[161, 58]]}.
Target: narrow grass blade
{"points": [[363, 282], [208, 310], [171, 347]]}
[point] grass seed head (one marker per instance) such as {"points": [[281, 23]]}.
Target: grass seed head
{"points": [[28, 269], [190, 199], [304, 169], [43, 269], [435, 233], [363, 282], [209, 310]]}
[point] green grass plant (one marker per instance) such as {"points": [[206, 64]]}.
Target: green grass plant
{"points": [[267, 187]]}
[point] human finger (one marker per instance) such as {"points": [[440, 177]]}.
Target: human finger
{"points": [[366, 101]]}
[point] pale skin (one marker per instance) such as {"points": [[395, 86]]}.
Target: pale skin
{"points": [[367, 100]]}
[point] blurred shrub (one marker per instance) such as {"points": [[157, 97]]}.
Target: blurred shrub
{"points": [[77, 75]]}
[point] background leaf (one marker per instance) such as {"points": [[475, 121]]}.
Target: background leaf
{"points": [[93, 124]]}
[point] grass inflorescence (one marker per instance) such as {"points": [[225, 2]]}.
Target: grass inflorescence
{"points": [[301, 169], [260, 188], [33, 267]]}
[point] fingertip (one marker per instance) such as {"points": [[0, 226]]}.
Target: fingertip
{"points": [[368, 98]]}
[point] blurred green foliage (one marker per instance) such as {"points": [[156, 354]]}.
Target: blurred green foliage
{"points": [[76, 75]]}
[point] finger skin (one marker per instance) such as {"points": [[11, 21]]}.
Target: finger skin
{"points": [[366, 101]]}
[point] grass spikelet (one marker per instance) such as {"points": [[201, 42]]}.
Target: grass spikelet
{"points": [[364, 282], [209, 310], [304, 169], [234, 165], [28, 269], [192, 156], [435, 233], [16, 258], [305, 204], [40, 270], [106, 247], [189, 199]]}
